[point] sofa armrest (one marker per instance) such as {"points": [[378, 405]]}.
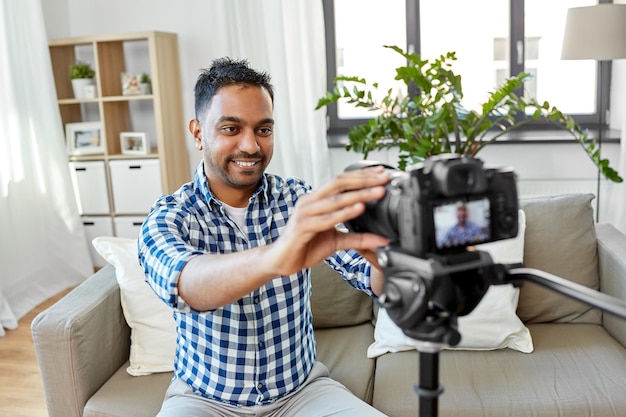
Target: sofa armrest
{"points": [[80, 342], [612, 268]]}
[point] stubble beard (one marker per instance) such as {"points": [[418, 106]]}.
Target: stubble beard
{"points": [[240, 180]]}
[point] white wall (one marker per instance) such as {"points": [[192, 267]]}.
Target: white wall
{"points": [[195, 22]]}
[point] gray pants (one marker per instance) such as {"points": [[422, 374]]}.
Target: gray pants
{"points": [[319, 396]]}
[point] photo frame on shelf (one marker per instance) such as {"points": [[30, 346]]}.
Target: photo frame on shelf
{"points": [[84, 138], [130, 84], [134, 143]]}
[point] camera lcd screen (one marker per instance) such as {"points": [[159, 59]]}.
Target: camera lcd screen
{"points": [[462, 223]]}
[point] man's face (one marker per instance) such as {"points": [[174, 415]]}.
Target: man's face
{"points": [[236, 138], [461, 214]]}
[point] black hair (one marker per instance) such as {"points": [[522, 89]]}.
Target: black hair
{"points": [[224, 72]]}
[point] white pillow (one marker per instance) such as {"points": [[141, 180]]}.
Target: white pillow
{"points": [[493, 324], [152, 326]]}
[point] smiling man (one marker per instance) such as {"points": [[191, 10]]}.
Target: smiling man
{"points": [[231, 251]]}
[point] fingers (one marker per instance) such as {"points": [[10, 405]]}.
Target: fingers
{"points": [[364, 243], [354, 180], [310, 234], [342, 199]]}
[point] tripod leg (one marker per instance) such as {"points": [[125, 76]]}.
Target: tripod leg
{"points": [[429, 389]]}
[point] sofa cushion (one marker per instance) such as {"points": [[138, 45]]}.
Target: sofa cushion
{"points": [[124, 395], [343, 351], [493, 324], [560, 240], [572, 365], [153, 329], [336, 303]]}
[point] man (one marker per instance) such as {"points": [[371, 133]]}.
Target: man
{"points": [[230, 252], [464, 232]]}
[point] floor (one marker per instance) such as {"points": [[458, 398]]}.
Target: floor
{"points": [[21, 390]]}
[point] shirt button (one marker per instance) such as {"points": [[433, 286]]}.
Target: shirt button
{"points": [[259, 385], [256, 300], [261, 344]]}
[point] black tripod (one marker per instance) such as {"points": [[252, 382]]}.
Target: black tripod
{"points": [[424, 297]]}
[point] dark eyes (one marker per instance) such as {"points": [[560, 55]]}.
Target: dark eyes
{"points": [[229, 129], [265, 131], [233, 130]]}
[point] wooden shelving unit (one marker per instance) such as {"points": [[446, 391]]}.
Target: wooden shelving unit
{"points": [[159, 115], [109, 61]]}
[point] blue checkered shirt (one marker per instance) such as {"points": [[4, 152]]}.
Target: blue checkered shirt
{"points": [[262, 346]]}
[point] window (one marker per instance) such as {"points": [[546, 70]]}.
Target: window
{"points": [[359, 49], [493, 40]]}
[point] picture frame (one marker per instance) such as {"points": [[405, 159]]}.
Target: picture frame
{"points": [[130, 84], [134, 143], [84, 138]]}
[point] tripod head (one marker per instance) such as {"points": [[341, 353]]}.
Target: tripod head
{"points": [[424, 297]]}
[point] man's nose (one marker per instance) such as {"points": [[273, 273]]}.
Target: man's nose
{"points": [[248, 142]]}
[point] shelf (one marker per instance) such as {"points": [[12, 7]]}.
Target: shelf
{"points": [[159, 115], [78, 100], [151, 155], [128, 98], [66, 101], [81, 158], [112, 157]]}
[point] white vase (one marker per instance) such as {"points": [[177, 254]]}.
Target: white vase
{"points": [[79, 84], [145, 88]]}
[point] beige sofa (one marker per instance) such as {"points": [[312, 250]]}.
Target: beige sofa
{"points": [[577, 368]]}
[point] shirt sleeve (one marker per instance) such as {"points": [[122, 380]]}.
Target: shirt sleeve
{"points": [[354, 269], [164, 249]]}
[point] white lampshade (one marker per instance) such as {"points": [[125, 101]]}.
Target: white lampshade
{"points": [[595, 32]]}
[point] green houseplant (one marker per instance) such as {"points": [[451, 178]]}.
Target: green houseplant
{"points": [[81, 70], [81, 75], [145, 84], [434, 121]]}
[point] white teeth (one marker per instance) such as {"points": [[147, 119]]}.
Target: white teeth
{"points": [[245, 164]]}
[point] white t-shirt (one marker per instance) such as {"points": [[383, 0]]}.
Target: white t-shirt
{"points": [[238, 214]]}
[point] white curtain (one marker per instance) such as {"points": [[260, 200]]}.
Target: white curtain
{"points": [[43, 249], [286, 39]]}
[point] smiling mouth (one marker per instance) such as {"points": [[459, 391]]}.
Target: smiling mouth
{"points": [[245, 164]]}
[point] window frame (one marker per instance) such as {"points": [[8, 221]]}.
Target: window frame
{"points": [[592, 121]]}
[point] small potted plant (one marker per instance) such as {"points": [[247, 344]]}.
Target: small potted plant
{"points": [[434, 121], [145, 85], [81, 75]]}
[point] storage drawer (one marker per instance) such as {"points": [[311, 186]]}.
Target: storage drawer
{"points": [[136, 184], [90, 187], [94, 227], [128, 226]]}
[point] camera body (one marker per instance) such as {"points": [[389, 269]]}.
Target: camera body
{"points": [[442, 205]]}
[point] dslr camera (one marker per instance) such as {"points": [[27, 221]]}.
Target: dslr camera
{"points": [[441, 206]]}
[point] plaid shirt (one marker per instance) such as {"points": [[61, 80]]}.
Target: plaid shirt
{"points": [[262, 346], [464, 235]]}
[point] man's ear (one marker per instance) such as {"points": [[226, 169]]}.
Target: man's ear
{"points": [[196, 130]]}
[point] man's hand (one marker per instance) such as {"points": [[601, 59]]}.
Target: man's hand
{"points": [[311, 236]]}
